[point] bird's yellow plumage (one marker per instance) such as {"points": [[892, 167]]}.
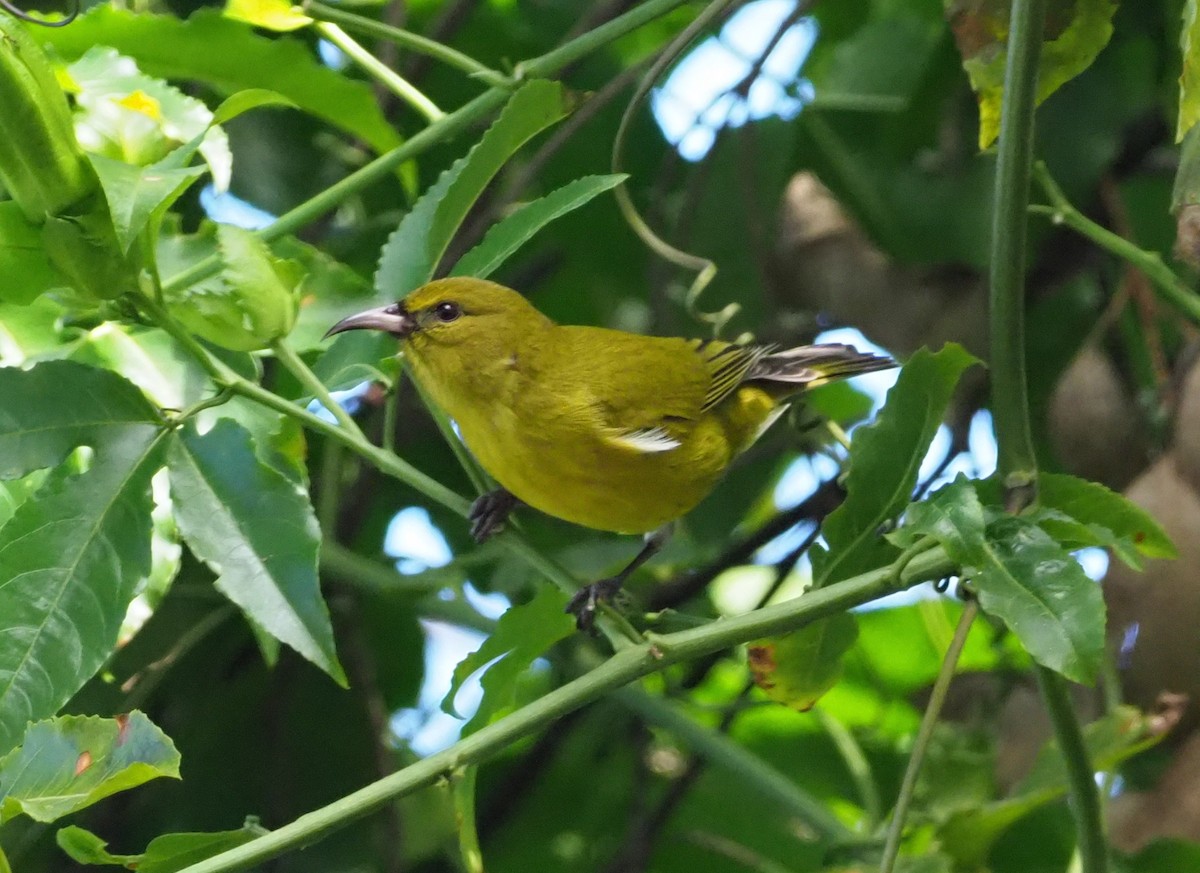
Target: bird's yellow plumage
{"points": [[603, 428]]}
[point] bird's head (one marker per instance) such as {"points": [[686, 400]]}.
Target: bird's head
{"points": [[455, 312]]}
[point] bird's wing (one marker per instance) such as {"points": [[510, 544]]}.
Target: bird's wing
{"points": [[637, 392], [728, 367]]}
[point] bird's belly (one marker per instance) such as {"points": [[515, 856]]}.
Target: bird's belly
{"points": [[589, 481]]}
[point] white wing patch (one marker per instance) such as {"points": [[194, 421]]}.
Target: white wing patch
{"points": [[647, 440]]}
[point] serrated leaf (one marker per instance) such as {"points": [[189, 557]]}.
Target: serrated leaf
{"points": [[1076, 31], [66, 764], [257, 531], [26, 270], [954, 516], [135, 194], [413, 252], [1032, 584], [230, 56], [508, 235], [522, 634], [1094, 505], [885, 457], [70, 560], [34, 433], [165, 854], [796, 669]]}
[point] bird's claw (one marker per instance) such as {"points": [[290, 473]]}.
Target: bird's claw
{"points": [[489, 514], [586, 600]]}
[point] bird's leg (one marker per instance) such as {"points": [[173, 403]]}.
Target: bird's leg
{"points": [[583, 604], [490, 512]]}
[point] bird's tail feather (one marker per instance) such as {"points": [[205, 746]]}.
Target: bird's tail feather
{"points": [[811, 366]]}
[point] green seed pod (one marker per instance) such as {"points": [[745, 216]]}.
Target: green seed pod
{"points": [[42, 166]]}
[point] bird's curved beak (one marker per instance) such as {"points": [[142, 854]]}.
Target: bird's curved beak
{"points": [[393, 318]]}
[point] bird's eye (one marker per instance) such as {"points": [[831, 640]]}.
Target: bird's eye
{"points": [[447, 311]]}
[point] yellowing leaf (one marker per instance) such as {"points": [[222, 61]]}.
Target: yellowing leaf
{"points": [[1075, 32], [271, 14]]}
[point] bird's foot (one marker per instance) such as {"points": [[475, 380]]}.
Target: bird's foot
{"points": [[586, 600], [490, 512]]}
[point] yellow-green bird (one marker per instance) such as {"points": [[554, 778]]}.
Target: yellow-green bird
{"points": [[607, 429]]}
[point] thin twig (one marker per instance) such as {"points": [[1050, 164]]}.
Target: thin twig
{"points": [[933, 709]]}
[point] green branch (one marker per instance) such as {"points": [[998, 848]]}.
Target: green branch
{"points": [[622, 668], [388, 77], [406, 39], [1017, 463], [933, 709], [1162, 278], [1010, 403]]}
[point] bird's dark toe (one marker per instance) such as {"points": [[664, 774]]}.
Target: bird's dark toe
{"points": [[587, 599], [489, 514]]}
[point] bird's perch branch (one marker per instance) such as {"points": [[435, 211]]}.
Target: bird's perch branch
{"points": [[624, 667]]}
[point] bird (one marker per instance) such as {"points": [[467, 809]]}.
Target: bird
{"points": [[607, 429]]}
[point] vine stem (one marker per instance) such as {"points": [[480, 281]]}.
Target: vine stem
{"points": [[406, 39], [622, 668], [1017, 463], [440, 131], [933, 710], [392, 80], [1162, 278]]}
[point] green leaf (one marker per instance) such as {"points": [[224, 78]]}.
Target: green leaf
{"points": [[247, 99], [885, 457], [522, 634], [796, 669], [1076, 31], [66, 764], [1189, 75], [165, 854], [954, 517], [257, 531], [23, 263], [508, 235], [84, 847], [968, 834], [36, 432], [1032, 584], [230, 56], [1094, 505], [71, 557], [135, 194], [412, 253]]}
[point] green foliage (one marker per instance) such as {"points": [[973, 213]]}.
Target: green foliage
{"points": [[165, 854], [257, 533], [508, 235], [66, 764], [1079, 29], [883, 465], [522, 634], [171, 48], [158, 451], [413, 252]]}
